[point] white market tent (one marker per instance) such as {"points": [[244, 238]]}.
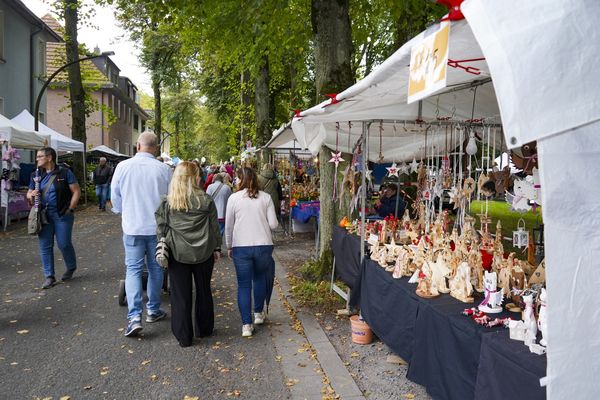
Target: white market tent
{"points": [[107, 150], [382, 96], [283, 141], [19, 137], [544, 64], [58, 141]]}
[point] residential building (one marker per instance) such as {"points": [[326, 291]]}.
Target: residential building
{"points": [[23, 41], [115, 95]]}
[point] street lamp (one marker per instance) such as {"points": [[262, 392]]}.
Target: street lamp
{"points": [[43, 89]]}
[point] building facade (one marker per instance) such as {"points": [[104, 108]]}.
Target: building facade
{"points": [[23, 41], [116, 121]]}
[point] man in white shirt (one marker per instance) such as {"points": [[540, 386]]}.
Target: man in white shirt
{"points": [[137, 186]]}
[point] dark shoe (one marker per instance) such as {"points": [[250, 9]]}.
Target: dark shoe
{"points": [[185, 344], [48, 282], [156, 317], [67, 275], [133, 328]]}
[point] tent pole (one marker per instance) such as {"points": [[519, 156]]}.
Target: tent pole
{"points": [[85, 197]]}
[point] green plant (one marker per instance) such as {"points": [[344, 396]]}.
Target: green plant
{"points": [[319, 269], [314, 293]]}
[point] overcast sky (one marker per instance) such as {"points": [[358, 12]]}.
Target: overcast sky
{"points": [[107, 36]]}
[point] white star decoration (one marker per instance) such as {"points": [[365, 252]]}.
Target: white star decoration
{"points": [[393, 170], [404, 169], [414, 165], [336, 158]]}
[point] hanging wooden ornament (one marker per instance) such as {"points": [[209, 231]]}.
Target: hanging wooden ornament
{"points": [[336, 158], [393, 170], [381, 142]]}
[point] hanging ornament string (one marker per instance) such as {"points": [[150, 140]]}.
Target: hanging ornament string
{"points": [[381, 141], [336, 159]]}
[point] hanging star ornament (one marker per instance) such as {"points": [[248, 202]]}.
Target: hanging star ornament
{"points": [[414, 165], [336, 158], [404, 169], [393, 170]]}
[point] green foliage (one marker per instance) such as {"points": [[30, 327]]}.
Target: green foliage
{"points": [[317, 269], [315, 293]]}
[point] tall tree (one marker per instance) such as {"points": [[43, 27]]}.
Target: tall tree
{"points": [[333, 73], [76, 91]]}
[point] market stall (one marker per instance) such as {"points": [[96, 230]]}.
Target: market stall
{"points": [[13, 137], [58, 142]]}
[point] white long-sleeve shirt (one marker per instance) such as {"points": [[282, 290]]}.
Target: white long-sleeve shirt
{"points": [[137, 186], [248, 222]]}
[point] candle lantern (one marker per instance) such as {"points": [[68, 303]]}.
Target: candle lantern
{"points": [[521, 236]]}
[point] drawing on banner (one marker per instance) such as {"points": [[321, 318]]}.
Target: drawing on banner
{"points": [[428, 64]]}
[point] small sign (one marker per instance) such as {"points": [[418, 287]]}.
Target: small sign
{"points": [[429, 64]]}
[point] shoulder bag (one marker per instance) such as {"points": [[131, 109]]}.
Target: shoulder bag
{"points": [[37, 214], [162, 248]]}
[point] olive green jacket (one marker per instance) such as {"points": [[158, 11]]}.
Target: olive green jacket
{"points": [[192, 236], [267, 182]]}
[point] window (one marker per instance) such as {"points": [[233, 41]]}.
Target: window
{"points": [[42, 117], [116, 104], [143, 126], [136, 122], [127, 149], [41, 59], [1, 35], [1, 106], [116, 146]]}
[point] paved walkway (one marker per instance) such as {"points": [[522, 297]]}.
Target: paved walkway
{"points": [[68, 341]]}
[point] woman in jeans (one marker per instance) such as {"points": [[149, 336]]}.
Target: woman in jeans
{"points": [[59, 194], [249, 219], [187, 218]]}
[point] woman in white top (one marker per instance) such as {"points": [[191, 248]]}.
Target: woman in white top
{"points": [[249, 219]]}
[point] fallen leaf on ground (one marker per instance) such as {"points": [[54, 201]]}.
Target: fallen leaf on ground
{"points": [[145, 362], [23, 332], [291, 382], [355, 354], [408, 396], [153, 377], [104, 370], [89, 387], [191, 397], [235, 393], [65, 398]]}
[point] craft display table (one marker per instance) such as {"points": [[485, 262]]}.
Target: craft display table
{"points": [[448, 353], [303, 211], [18, 206]]}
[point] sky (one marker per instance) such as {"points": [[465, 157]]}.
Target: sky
{"points": [[108, 36]]}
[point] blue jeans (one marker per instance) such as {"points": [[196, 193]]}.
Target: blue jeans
{"points": [[102, 195], [222, 227], [139, 251], [62, 228], [254, 266]]}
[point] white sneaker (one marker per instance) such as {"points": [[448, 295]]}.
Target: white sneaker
{"points": [[259, 318], [247, 330]]}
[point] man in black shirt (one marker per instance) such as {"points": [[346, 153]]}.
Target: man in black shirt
{"points": [[102, 178]]}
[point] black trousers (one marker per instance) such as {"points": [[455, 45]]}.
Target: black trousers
{"points": [[181, 299]]}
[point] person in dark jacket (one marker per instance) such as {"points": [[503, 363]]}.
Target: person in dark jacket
{"points": [[387, 202], [102, 177], [268, 183], [187, 218], [58, 192]]}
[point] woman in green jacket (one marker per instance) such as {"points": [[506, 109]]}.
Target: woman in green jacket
{"points": [[187, 218]]}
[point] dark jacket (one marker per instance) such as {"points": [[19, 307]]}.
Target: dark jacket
{"points": [[61, 187], [268, 183], [388, 206], [102, 175], [192, 236]]}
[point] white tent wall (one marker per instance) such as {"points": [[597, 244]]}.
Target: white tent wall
{"points": [[58, 141], [544, 63], [21, 138]]}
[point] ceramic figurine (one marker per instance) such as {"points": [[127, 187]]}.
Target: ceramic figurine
{"points": [[541, 323], [439, 272], [425, 287], [529, 319], [382, 257], [460, 284], [492, 303]]}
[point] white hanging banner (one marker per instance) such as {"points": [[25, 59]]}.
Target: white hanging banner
{"points": [[429, 64]]}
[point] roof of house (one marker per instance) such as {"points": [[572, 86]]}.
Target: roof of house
{"points": [[34, 19], [56, 57]]}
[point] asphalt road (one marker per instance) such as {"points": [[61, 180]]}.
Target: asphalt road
{"points": [[68, 340]]}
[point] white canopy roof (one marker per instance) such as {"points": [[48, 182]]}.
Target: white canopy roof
{"points": [[57, 141], [107, 150], [284, 141], [20, 137], [382, 95]]}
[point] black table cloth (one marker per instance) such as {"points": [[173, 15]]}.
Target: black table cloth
{"points": [[346, 249]]}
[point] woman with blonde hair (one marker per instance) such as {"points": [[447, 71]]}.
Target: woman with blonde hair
{"points": [[187, 218], [249, 219]]}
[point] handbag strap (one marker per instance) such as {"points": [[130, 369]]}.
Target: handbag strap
{"points": [[217, 191], [50, 181], [167, 211]]}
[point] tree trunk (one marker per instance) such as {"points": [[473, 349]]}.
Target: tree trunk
{"points": [[262, 104], [76, 91], [246, 101], [333, 73], [157, 106]]}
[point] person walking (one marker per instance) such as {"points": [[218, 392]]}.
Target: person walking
{"points": [[102, 176], [59, 194], [249, 219], [187, 218], [136, 189], [220, 192], [268, 183]]}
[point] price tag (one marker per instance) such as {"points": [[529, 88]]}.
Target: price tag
{"points": [[373, 239]]}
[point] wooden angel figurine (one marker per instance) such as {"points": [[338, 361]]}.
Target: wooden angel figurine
{"points": [[439, 272], [401, 267], [425, 287], [460, 284], [476, 264]]}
